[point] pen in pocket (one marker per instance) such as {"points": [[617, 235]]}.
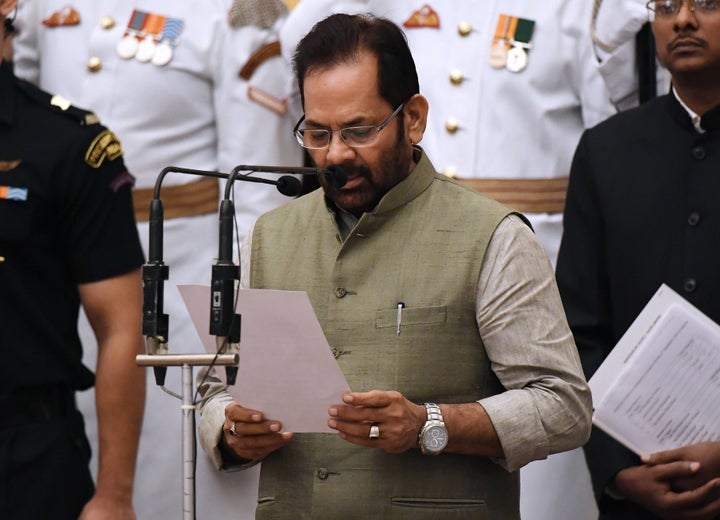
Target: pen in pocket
{"points": [[400, 306]]}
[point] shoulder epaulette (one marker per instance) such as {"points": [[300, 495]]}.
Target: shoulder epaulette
{"points": [[58, 104], [260, 13]]}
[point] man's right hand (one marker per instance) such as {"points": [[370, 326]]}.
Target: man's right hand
{"points": [[254, 437], [650, 487]]}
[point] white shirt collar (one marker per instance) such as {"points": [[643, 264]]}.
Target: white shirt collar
{"points": [[696, 120]]}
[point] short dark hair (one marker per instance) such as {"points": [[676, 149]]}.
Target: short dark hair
{"points": [[340, 38]]}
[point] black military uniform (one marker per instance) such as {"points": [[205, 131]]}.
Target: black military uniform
{"points": [[66, 218]]}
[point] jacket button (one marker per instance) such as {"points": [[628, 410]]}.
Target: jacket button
{"points": [[94, 64], [464, 28], [456, 77], [694, 218], [340, 292], [107, 22], [699, 153], [452, 125], [322, 473], [690, 285]]}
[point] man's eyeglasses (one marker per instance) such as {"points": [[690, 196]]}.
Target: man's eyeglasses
{"points": [[355, 136], [665, 8]]}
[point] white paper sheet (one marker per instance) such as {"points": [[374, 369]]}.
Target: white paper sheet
{"points": [[659, 387], [286, 367]]}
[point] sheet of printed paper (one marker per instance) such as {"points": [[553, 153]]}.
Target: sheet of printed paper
{"points": [[286, 367], [666, 385]]}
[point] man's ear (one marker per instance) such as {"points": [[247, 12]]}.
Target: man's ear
{"points": [[7, 7], [415, 117]]}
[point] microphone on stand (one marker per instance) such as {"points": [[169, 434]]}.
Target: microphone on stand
{"points": [[155, 324], [224, 322]]}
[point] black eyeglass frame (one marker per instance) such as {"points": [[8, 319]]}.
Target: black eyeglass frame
{"points": [[299, 132]]}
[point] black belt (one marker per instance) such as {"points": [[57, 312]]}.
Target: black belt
{"points": [[34, 404]]}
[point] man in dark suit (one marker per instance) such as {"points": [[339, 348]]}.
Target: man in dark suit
{"points": [[642, 210]]}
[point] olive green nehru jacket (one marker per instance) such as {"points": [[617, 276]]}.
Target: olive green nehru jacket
{"points": [[422, 247]]}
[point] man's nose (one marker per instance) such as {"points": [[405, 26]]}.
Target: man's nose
{"points": [[338, 150], [686, 14]]}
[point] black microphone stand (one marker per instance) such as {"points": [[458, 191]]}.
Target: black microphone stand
{"points": [[224, 322]]}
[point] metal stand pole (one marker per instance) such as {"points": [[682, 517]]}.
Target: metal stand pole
{"points": [[188, 443], [187, 362]]}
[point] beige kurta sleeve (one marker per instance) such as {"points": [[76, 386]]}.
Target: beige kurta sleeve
{"points": [[546, 407]]}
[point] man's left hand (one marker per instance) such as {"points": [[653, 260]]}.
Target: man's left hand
{"points": [[398, 420], [705, 453]]}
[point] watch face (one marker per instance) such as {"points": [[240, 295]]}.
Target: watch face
{"points": [[435, 438]]}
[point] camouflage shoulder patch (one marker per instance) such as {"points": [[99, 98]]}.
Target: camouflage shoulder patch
{"points": [[104, 146], [261, 13]]}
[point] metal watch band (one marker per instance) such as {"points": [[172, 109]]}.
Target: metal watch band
{"points": [[434, 414]]}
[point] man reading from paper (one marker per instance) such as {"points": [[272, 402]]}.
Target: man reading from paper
{"points": [[440, 303]]}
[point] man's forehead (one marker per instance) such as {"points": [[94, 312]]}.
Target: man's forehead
{"points": [[345, 90]]}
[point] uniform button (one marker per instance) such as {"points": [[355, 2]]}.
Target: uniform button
{"points": [[452, 125], [340, 292], [107, 22], [694, 218], [450, 171], [335, 352], [699, 153], [322, 473], [456, 77], [690, 285], [464, 28], [2, 259], [94, 64]]}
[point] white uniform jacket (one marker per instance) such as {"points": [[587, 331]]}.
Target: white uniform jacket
{"points": [[487, 122]]}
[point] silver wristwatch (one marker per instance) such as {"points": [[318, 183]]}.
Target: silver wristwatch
{"points": [[433, 435]]}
